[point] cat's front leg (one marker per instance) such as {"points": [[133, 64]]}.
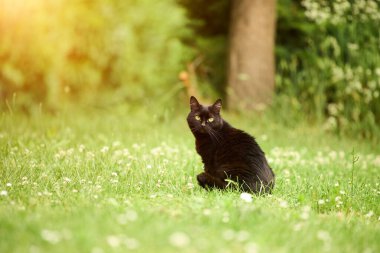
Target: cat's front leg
{"points": [[206, 180]]}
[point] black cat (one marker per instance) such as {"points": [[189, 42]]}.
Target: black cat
{"points": [[227, 152]]}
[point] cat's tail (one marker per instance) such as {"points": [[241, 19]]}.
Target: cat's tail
{"points": [[258, 188], [263, 184]]}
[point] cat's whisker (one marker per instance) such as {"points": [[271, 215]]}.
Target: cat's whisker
{"points": [[195, 128], [214, 134], [215, 137]]}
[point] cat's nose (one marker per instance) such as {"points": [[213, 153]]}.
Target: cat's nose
{"points": [[203, 123]]}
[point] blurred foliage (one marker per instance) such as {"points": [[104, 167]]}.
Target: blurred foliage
{"points": [[327, 59], [53, 51], [328, 62], [210, 23], [327, 53]]}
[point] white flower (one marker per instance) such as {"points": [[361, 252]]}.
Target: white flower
{"points": [[226, 217], [51, 236], [305, 212], [376, 161], [70, 151], [251, 247], [104, 149], [113, 241], [297, 227], [118, 240], [114, 181], [179, 239], [131, 215], [321, 202], [369, 214], [323, 235], [206, 212], [3, 193], [247, 197], [81, 148], [116, 143], [97, 250], [264, 137], [242, 236], [8, 184], [190, 185], [283, 204], [131, 243], [229, 234]]}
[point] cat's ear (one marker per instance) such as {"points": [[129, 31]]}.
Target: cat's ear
{"points": [[217, 106], [194, 104]]}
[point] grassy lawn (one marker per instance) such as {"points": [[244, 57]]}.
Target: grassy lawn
{"points": [[124, 180]]}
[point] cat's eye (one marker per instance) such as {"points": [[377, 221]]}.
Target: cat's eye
{"points": [[210, 120], [197, 117]]}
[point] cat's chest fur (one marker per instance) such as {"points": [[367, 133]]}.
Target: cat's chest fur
{"points": [[207, 149]]}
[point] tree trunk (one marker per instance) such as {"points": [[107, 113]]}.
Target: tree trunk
{"points": [[251, 54]]}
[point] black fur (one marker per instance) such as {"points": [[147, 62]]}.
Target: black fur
{"points": [[227, 152]]}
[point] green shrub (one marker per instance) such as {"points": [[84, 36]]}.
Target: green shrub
{"points": [[329, 66], [51, 52]]}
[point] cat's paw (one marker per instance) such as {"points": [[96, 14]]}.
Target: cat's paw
{"points": [[202, 179]]}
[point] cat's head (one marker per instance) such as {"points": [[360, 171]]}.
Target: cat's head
{"points": [[204, 119]]}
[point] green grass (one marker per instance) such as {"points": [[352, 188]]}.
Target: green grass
{"points": [[124, 180]]}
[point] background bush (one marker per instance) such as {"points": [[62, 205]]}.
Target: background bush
{"points": [[328, 63], [52, 51]]}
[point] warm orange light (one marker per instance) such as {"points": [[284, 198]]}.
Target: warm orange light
{"points": [[12, 7]]}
